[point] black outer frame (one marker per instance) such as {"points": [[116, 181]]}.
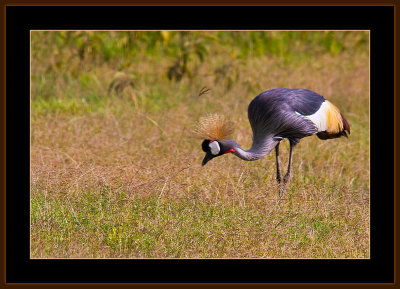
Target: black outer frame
{"points": [[21, 269]]}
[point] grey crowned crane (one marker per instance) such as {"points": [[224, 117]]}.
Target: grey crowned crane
{"points": [[274, 115]]}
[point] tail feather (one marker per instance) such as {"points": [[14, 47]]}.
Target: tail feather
{"points": [[345, 124]]}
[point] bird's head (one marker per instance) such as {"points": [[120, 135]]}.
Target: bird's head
{"points": [[214, 148], [214, 130]]}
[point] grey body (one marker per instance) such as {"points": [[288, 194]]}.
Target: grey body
{"points": [[277, 114]]}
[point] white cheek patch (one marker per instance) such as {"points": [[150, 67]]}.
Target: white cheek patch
{"points": [[214, 146], [319, 117]]}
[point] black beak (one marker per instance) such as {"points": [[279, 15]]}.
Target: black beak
{"points": [[207, 158]]}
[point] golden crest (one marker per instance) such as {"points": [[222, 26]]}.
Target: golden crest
{"points": [[213, 127]]}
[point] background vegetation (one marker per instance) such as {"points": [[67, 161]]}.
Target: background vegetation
{"points": [[115, 172]]}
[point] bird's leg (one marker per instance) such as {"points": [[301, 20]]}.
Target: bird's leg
{"points": [[278, 171], [288, 175]]}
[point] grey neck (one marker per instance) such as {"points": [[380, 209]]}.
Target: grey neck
{"points": [[258, 150]]}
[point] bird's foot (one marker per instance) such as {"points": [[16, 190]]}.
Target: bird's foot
{"points": [[281, 189], [286, 179], [283, 185]]}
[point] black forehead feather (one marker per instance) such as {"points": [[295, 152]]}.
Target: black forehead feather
{"points": [[205, 146]]}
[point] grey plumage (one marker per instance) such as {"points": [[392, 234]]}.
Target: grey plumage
{"points": [[274, 113]]}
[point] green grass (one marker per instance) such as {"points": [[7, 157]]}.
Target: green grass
{"points": [[149, 227], [116, 173]]}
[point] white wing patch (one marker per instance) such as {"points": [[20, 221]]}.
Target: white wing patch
{"points": [[214, 146], [319, 117]]}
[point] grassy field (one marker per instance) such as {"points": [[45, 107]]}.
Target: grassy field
{"points": [[116, 172]]}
